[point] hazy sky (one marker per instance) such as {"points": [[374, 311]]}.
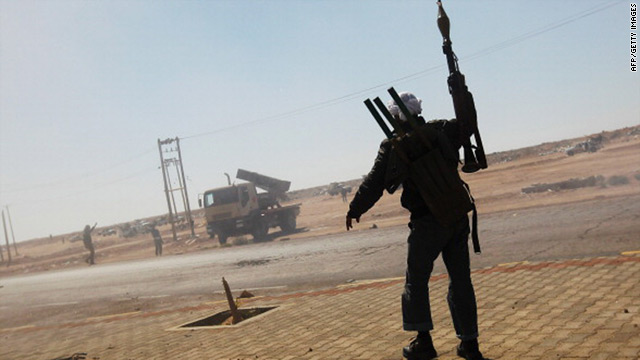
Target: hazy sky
{"points": [[88, 87]]}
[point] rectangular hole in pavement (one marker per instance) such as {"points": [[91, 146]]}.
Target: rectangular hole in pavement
{"points": [[223, 319]]}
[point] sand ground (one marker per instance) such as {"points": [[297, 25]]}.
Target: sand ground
{"points": [[496, 189]]}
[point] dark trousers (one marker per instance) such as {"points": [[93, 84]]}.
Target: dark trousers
{"points": [[426, 241], [92, 253], [158, 247]]}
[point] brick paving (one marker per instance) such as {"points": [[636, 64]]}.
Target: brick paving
{"points": [[574, 309]]}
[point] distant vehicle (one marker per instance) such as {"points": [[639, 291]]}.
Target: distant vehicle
{"points": [[591, 145], [239, 209], [337, 188], [126, 230], [161, 221], [107, 232], [76, 237]]}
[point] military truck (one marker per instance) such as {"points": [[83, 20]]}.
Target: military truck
{"points": [[240, 209]]}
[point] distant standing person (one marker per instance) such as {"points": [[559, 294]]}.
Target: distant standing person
{"points": [[88, 243], [157, 240], [343, 192]]}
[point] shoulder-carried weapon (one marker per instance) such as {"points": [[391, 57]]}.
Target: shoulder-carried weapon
{"points": [[439, 184], [463, 103]]}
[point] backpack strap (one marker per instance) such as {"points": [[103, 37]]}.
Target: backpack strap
{"points": [[474, 222]]}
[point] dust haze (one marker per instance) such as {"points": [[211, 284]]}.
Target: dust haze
{"points": [[604, 166]]}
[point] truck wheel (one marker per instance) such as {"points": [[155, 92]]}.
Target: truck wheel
{"points": [[222, 238], [260, 230], [288, 223]]}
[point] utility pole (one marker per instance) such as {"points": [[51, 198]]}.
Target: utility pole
{"points": [[185, 195], [170, 156], [166, 190], [6, 237], [13, 237], [184, 202], [1, 255]]}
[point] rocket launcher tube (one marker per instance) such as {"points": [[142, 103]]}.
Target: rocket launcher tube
{"points": [[378, 118], [410, 117], [394, 140], [463, 103], [383, 109]]}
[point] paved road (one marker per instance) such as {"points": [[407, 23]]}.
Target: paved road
{"points": [[592, 228]]}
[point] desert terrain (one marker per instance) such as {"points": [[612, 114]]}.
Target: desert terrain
{"points": [[532, 177]]}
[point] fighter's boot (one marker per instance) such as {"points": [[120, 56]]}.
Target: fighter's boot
{"points": [[469, 350], [421, 348]]}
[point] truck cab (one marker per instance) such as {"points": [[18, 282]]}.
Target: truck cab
{"points": [[239, 209], [230, 201], [228, 208]]}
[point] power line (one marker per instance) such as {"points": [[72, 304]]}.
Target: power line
{"points": [[549, 27], [344, 98], [320, 105], [77, 177], [357, 94], [99, 186]]}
